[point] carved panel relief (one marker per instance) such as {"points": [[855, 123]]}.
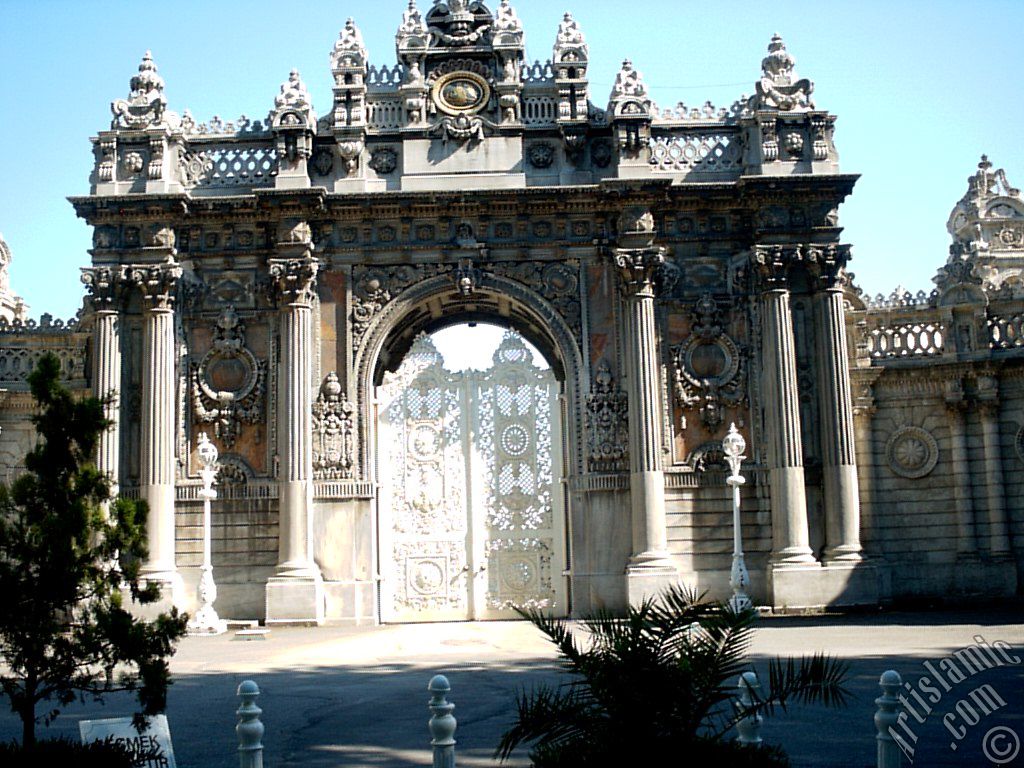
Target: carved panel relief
{"points": [[709, 367], [332, 432], [228, 383], [607, 424]]}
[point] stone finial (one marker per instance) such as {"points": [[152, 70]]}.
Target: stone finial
{"points": [[11, 307], [293, 105], [989, 217], [628, 83], [349, 48], [779, 87], [569, 32], [412, 22], [146, 104], [508, 29], [889, 753], [629, 94]]}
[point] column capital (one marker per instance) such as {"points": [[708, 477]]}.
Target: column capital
{"points": [[293, 280], [157, 282], [638, 268], [105, 286], [824, 261], [826, 264]]}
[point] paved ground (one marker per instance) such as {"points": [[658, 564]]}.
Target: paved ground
{"points": [[357, 697]]}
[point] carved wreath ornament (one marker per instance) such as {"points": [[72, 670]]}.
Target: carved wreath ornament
{"points": [[228, 384], [911, 452]]}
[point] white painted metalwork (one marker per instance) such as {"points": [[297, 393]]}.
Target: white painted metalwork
{"points": [[206, 621], [733, 446], [471, 506]]}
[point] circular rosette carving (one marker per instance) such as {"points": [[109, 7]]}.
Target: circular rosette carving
{"points": [[515, 440], [911, 452], [461, 93]]}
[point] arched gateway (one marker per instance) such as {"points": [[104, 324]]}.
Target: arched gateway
{"points": [[679, 270]]}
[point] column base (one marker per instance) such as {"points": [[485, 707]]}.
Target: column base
{"points": [[648, 580], [793, 556], [844, 553], [170, 583], [292, 600], [795, 587]]}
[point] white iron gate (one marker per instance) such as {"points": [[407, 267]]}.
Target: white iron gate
{"points": [[470, 467]]}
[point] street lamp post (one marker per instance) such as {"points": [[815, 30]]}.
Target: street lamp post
{"points": [[733, 446], [206, 621]]}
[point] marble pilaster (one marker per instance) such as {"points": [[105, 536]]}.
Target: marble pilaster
{"points": [[966, 543], [998, 531]]}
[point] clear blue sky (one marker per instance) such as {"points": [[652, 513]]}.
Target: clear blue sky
{"points": [[921, 90]]}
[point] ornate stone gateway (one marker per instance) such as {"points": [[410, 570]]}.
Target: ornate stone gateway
{"points": [[471, 514]]}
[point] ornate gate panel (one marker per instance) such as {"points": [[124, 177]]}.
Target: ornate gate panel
{"points": [[471, 505]]}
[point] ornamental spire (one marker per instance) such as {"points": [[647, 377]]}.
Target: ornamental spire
{"points": [[779, 87], [146, 103]]}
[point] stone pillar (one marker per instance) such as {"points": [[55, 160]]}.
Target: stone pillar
{"points": [[159, 385], [295, 592], [782, 409], [650, 568], [105, 285], [966, 545], [839, 466], [998, 532]]}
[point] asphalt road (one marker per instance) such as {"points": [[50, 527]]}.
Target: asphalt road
{"points": [[338, 696]]}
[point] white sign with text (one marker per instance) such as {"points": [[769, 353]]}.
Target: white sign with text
{"points": [[151, 748]]}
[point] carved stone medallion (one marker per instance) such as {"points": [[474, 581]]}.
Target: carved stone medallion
{"points": [[911, 452], [461, 93]]}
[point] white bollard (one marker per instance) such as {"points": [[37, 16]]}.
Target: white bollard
{"points": [[442, 722], [889, 753], [249, 728], [749, 728]]}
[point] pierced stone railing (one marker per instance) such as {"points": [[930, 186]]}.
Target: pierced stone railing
{"points": [[220, 163], [540, 110], [45, 324], [910, 339], [384, 77], [1007, 331], [901, 299], [707, 112], [715, 150], [384, 113], [538, 72]]}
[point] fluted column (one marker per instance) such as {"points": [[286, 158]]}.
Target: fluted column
{"points": [[156, 477], [295, 593], [105, 286], [839, 466], [295, 279], [790, 539], [650, 564], [998, 532], [962, 492]]}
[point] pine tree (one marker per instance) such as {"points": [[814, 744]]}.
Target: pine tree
{"points": [[69, 570]]}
